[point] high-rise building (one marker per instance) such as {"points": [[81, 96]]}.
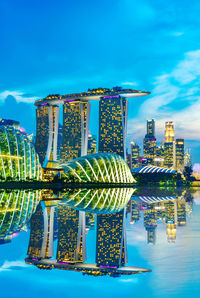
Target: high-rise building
{"points": [[92, 144], [151, 128], [135, 155], [47, 133], [159, 160], [75, 129], [187, 159], [113, 125], [169, 155], [149, 144], [169, 131], [59, 143], [71, 235], [111, 247], [179, 154]]}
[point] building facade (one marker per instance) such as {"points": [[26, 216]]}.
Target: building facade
{"points": [[180, 154], [135, 155]]}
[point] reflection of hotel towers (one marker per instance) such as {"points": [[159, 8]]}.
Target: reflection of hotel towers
{"points": [[111, 247], [41, 236], [150, 223], [113, 125], [47, 133], [71, 235]]}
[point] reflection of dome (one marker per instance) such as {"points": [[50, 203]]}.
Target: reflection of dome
{"points": [[16, 208], [18, 157], [100, 167], [109, 200]]}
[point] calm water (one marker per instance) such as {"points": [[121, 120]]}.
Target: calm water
{"points": [[163, 234]]}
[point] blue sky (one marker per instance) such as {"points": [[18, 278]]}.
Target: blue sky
{"points": [[70, 46]]}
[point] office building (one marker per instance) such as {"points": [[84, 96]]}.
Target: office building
{"points": [[92, 144], [180, 154], [169, 131], [135, 155], [149, 143]]}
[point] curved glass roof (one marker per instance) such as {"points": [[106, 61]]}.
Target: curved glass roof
{"points": [[152, 169], [18, 158], [16, 208], [107, 200], [100, 167]]}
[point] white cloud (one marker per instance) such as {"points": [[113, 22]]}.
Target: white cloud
{"points": [[175, 96], [20, 96], [129, 83]]}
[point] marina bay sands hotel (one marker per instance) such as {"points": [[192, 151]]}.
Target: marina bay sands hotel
{"points": [[113, 107]]}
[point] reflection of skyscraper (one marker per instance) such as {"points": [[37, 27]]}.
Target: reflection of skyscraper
{"points": [[71, 235], [149, 145], [171, 219], [113, 124], [75, 129], [41, 235], [135, 211], [150, 223], [111, 247], [181, 212]]}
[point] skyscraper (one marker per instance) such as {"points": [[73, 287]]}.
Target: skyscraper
{"points": [[75, 129], [71, 235], [149, 144], [47, 133], [169, 131], [169, 146], [179, 154], [151, 128], [113, 124], [111, 247], [150, 223], [135, 155], [92, 144]]}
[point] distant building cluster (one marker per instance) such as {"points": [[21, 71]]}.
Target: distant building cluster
{"points": [[170, 154]]}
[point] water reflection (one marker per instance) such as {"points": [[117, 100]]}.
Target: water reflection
{"points": [[111, 252], [16, 208], [107, 200]]}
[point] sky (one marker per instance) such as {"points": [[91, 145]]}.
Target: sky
{"points": [[69, 46]]}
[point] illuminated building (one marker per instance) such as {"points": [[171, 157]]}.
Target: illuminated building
{"points": [[150, 223], [187, 159], [151, 128], [159, 159], [71, 235], [19, 160], [76, 115], [135, 155], [100, 167], [181, 212], [179, 154], [16, 209], [75, 122], [111, 247], [113, 125], [41, 235], [59, 142], [92, 144], [10, 123], [169, 132], [47, 117], [169, 155], [149, 144]]}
